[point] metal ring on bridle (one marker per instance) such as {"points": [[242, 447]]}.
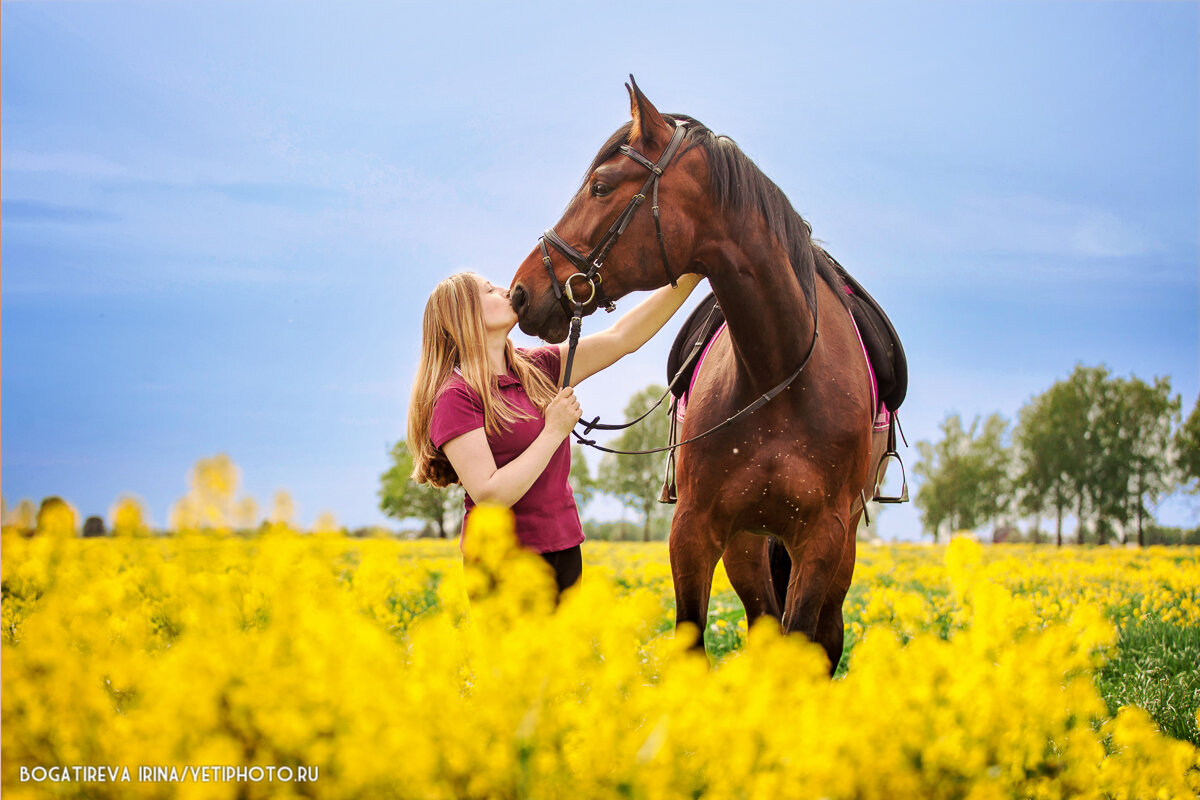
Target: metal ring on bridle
{"points": [[571, 296]]}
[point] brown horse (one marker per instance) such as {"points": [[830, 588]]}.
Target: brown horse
{"points": [[797, 467]]}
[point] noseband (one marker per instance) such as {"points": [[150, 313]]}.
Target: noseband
{"points": [[588, 266]]}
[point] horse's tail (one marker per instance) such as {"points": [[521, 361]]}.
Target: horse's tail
{"points": [[781, 569]]}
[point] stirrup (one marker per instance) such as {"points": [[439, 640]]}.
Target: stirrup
{"points": [[881, 473], [884, 462]]}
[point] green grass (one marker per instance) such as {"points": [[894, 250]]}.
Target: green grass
{"points": [[1157, 667]]}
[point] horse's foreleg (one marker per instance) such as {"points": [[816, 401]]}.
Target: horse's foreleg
{"points": [[695, 549], [747, 562], [831, 628], [818, 554]]}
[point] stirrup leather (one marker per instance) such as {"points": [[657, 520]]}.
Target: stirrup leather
{"points": [[669, 495], [885, 461]]}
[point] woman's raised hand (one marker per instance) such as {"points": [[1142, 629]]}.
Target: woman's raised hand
{"points": [[563, 412]]}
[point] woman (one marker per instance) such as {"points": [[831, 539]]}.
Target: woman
{"points": [[489, 415]]}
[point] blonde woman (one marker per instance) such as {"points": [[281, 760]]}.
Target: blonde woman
{"points": [[489, 415]]}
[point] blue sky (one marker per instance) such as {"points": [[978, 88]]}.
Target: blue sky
{"points": [[221, 220]]}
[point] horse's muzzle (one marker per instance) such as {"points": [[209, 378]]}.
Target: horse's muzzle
{"points": [[519, 299], [543, 319]]}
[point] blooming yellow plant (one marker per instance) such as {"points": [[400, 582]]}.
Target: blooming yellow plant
{"points": [[408, 669]]}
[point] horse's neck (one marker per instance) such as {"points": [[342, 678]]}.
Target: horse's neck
{"points": [[769, 318]]}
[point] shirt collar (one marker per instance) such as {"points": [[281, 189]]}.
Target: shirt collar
{"points": [[503, 381]]}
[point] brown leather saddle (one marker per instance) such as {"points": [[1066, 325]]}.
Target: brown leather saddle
{"points": [[882, 343]]}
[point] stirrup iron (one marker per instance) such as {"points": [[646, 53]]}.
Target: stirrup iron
{"points": [[884, 462]]}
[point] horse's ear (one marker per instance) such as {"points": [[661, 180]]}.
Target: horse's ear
{"points": [[648, 124]]}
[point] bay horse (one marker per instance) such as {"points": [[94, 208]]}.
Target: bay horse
{"points": [[797, 467]]}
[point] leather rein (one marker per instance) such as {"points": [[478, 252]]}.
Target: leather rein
{"points": [[588, 268]]}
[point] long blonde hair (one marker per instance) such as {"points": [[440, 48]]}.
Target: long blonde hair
{"points": [[452, 335]]}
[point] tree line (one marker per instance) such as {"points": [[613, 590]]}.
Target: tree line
{"points": [[1096, 447]]}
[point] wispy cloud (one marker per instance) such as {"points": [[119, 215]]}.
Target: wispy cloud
{"points": [[71, 163], [33, 211], [285, 195], [999, 240], [1048, 227], [1015, 225]]}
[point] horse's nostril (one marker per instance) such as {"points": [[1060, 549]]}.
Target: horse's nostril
{"points": [[518, 298]]}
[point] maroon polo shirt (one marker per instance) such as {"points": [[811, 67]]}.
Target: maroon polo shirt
{"points": [[547, 518]]}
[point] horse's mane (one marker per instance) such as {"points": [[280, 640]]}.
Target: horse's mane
{"points": [[740, 187]]}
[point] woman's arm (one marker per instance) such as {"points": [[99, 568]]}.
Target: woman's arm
{"points": [[631, 331], [472, 458]]}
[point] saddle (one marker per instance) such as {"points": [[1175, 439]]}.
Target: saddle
{"points": [[884, 351], [699, 328]]}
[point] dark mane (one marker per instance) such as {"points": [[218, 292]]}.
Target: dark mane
{"points": [[740, 188]]}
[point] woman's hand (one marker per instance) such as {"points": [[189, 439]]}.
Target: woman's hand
{"points": [[563, 412], [471, 456]]}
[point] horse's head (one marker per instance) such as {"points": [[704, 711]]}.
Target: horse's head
{"points": [[605, 246]]}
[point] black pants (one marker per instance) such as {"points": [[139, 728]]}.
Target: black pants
{"points": [[567, 565]]}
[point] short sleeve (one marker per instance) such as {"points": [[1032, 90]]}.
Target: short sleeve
{"points": [[547, 360], [457, 410]]}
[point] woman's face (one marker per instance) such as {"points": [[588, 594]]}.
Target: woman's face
{"points": [[498, 314]]}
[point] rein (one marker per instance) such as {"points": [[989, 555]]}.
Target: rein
{"points": [[758, 403], [588, 268]]}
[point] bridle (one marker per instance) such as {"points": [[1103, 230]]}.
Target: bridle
{"points": [[588, 266]]}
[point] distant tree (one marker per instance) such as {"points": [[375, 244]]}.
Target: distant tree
{"points": [[1098, 446], [1119, 435], [936, 471], [623, 530], [964, 476], [401, 498], [93, 527], [1049, 440], [868, 529], [1139, 421], [583, 485], [1091, 477], [1187, 450], [637, 480]]}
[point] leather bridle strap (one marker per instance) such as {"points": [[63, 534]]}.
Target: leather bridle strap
{"points": [[588, 266], [697, 348], [758, 403]]}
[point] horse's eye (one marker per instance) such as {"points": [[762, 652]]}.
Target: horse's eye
{"points": [[600, 189]]}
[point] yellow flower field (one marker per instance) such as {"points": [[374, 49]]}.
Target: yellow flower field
{"points": [[364, 664]]}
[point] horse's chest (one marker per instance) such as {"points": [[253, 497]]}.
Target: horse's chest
{"points": [[773, 475]]}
